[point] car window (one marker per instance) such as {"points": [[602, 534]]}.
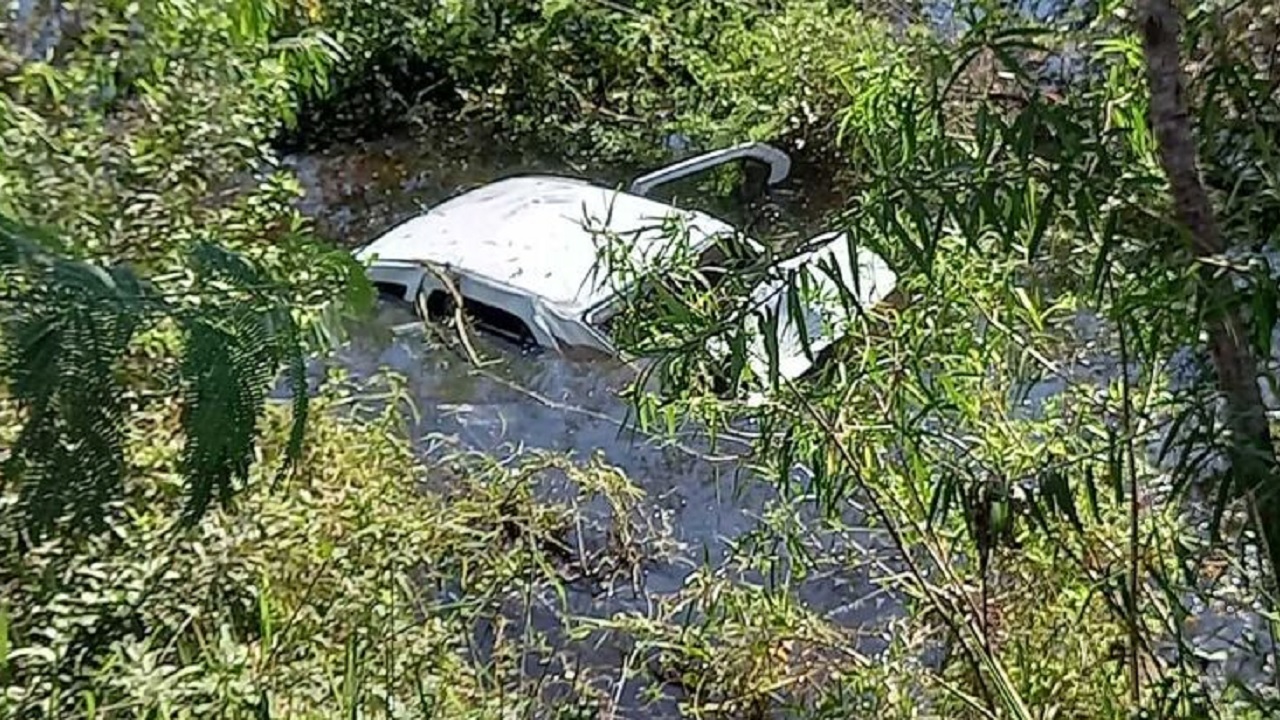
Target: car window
{"points": [[714, 261], [397, 291], [725, 191], [492, 319]]}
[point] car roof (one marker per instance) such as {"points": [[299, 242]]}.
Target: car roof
{"points": [[530, 233]]}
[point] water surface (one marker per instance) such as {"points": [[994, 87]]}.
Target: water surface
{"points": [[704, 496]]}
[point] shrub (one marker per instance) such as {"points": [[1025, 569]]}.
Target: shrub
{"points": [[360, 581]]}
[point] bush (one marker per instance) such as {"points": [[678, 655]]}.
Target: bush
{"points": [[611, 81], [361, 581]]}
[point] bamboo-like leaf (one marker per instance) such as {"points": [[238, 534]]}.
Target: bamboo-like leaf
{"points": [[1101, 261], [1029, 306], [1060, 488], [769, 330], [4, 642], [1115, 466], [1225, 488], [798, 292], [1044, 212], [297, 379], [940, 500], [1091, 493]]}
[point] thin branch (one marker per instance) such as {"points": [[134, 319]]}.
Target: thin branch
{"points": [[1126, 415], [459, 317]]}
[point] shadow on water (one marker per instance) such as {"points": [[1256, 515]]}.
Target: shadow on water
{"points": [[704, 496]]}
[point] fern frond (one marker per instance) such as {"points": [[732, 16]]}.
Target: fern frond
{"points": [[65, 335], [297, 379], [225, 370], [233, 351]]}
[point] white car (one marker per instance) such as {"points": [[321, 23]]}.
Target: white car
{"points": [[524, 253]]}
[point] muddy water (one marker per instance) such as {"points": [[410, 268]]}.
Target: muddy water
{"points": [[356, 192], [545, 401], [702, 503]]}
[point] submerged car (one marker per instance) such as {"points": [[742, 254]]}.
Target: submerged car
{"points": [[524, 255]]}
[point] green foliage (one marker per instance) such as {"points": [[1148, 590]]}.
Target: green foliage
{"points": [[345, 588], [130, 143], [69, 328], [144, 154], [610, 81], [229, 359], [791, 75], [979, 420], [1045, 565]]}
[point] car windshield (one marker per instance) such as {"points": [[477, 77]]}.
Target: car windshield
{"points": [[815, 283], [725, 253]]}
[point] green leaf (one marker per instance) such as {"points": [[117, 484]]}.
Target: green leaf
{"points": [[1044, 212], [1032, 313], [4, 642], [1091, 493], [769, 330], [940, 499]]}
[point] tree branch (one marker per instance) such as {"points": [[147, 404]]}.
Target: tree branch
{"points": [[1252, 452]]}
